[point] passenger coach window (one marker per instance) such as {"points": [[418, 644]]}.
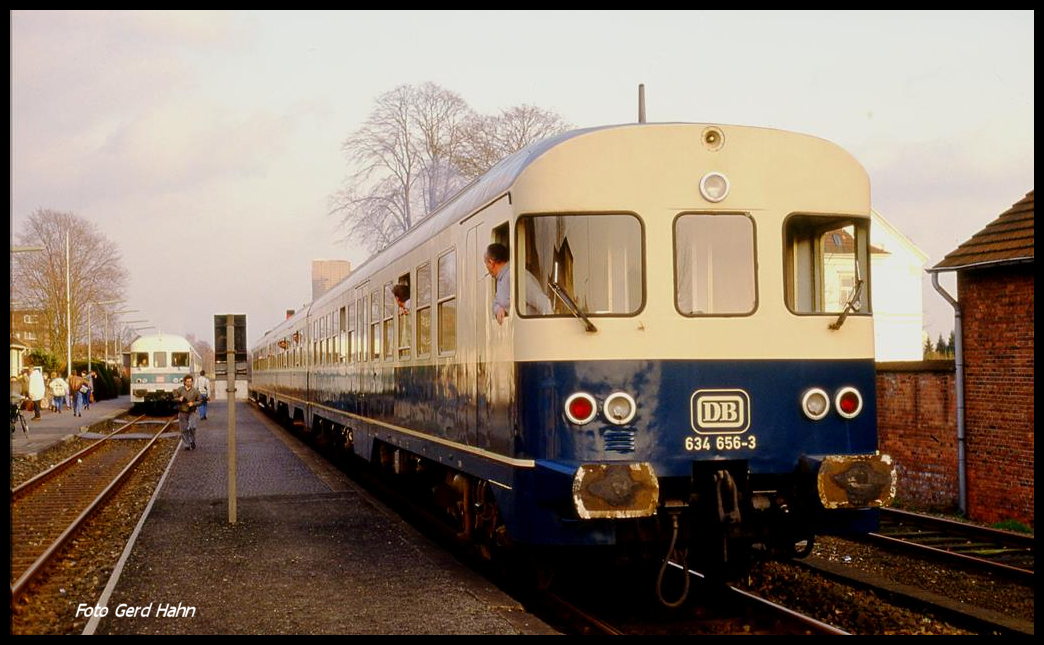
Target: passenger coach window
{"points": [[140, 359], [375, 325], [595, 260], [824, 261], [423, 306], [714, 265], [159, 359], [347, 333], [179, 359], [447, 305], [389, 322], [401, 291], [362, 344]]}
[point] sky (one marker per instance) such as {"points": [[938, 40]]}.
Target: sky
{"points": [[205, 144]]}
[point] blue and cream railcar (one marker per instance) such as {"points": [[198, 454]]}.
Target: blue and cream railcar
{"points": [[158, 363], [689, 348]]}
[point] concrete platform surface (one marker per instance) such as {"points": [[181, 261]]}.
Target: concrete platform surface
{"points": [[51, 427], [311, 553]]}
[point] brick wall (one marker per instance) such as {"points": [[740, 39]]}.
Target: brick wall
{"points": [[998, 353], [916, 419]]}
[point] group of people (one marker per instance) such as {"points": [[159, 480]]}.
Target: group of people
{"points": [[54, 393], [496, 259]]}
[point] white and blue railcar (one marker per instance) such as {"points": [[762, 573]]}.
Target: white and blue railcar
{"points": [[689, 349], [158, 363]]}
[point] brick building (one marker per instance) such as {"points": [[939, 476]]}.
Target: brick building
{"points": [[995, 294], [30, 327], [916, 410], [327, 273]]}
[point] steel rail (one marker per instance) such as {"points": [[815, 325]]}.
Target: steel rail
{"points": [[19, 586], [1005, 539], [41, 477]]}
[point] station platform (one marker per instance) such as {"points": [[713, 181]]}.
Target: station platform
{"points": [[310, 553], [52, 428]]}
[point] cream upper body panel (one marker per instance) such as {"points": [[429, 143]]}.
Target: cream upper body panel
{"points": [[654, 172]]}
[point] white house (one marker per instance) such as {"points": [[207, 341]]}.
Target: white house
{"points": [[18, 351], [897, 267]]}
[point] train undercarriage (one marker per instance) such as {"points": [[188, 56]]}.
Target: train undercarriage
{"points": [[716, 521]]}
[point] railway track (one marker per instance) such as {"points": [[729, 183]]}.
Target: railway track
{"points": [[1003, 552], [48, 509], [715, 609]]}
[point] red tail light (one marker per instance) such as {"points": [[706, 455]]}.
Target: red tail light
{"points": [[580, 408], [849, 402]]}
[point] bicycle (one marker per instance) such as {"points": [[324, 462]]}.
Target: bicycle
{"points": [[17, 418]]}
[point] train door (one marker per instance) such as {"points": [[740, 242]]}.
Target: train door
{"points": [[500, 376], [490, 339], [474, 328]]}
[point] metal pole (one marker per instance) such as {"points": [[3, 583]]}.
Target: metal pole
{"points": [[88, 338], [641, 103], [958, 366], [68, 313], [230, 379]]}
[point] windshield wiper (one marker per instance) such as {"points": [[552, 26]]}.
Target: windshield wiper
{"points": [[852, 304], [564, 297]]}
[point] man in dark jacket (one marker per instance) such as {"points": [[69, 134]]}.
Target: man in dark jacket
{"points": [[188, 398]]}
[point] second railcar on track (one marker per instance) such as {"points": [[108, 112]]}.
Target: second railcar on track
{"points": [[158, 363]]}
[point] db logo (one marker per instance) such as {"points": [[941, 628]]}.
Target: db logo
{"points": [[720, 411]]}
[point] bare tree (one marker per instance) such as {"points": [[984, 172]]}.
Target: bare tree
{"points": [[96, 272], [377, 203], [490, 139], [206, 352], [418, 147], [440, 116]]}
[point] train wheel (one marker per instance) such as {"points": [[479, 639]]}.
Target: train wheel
{"points": [[490, 534]]}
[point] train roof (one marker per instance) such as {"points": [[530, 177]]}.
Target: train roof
{"points": [[161, 341], [480, 192], [495, 182]]}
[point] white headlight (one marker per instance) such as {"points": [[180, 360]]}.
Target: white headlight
{"points": [[619, 408], [815, 404], [714, 187]]}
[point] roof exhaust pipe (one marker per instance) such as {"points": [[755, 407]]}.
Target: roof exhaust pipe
{"points": [[641, 103]]}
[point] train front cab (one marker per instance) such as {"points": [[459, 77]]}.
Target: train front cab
{"points": [[739, 331]]}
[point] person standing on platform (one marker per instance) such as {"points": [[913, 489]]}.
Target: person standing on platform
{"points": [[84, 392], [59, 388], [204, 389], [36, 391], [188, 398], [74, 393], [90, 384]]}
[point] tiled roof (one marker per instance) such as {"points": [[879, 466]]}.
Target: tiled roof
{"points": [[1009, 238]]}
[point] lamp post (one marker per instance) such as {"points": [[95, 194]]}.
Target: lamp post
{"points": [[115, 313], [89, 303], [126, 325], [68, 315]]}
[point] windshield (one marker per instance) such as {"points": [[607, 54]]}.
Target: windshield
{"points": [[714, 268], [826, 259], [597, 260]]}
